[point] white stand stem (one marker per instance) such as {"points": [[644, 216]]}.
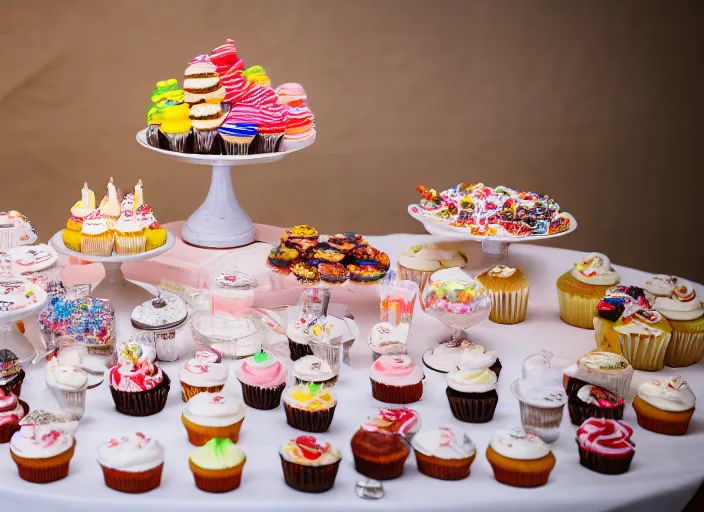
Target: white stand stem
{"points": [[220, 222], [495, 250]]}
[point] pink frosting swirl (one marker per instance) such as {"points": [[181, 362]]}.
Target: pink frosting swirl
{"points": [[258, 96], [243, 114], [236, 86], [200, 58], [141, 376], [225, 58], [263, 370], [393, 366]]}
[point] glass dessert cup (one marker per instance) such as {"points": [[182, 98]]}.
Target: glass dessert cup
{"points": [[234, 337], [478, 310]]}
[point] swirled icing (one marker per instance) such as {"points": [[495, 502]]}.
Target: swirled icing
{"points": [[310, 451], [205, 374], [218, 454], [472, 381], [673, 395], [310, 397], [606, 437], [396, 371], [444, 443], [214, 410], [595, 268], [133, 453], [312, 369], [262, 369], [40, 442], [518, 444], [674, 297]]}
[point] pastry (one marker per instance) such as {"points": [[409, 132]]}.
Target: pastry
{"points": [[97, 237], [138, 386], [237, 136], [282, 257], [509, 293], [665, 406], [591, 401], [42, 453], [263, 380], [604, 369], [443, 453], [305, 273], [11, 372], [309, 407], [198, 376], [461, 355], [206, 119], [333, 272], [520, 458], [15, 229], [213, 415], [472, 395], [378, 453], [202, 82], [313, 369], [131, 464], [366, 272], [12, 410], [396, 380], [580, 289], [419, 262], [386, 339], [605, 446], [309, 464], [176, 124], [217, 466]]}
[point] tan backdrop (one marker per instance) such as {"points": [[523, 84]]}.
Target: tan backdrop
{"points": [[596, 103]]}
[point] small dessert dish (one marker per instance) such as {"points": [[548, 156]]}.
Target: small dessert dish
{"points": [[665, 406], [309, 407], [520, 458], [232, 292], [138, 386], [217, 466], [132, 464], [444, 453], [627, 325], [12, 410], [387, 339], [461, 355], [580, 289], [603, 369], [676, 300], [380, 450], [396, 380], [309, 464], [591, 401], [11, 372], [263, 380], [509, 293], [42, 453], [605, 446], [212, 415], [68, 384], [198, 376], [27, 260], [313, 369], [419, 262], [472, 395]]}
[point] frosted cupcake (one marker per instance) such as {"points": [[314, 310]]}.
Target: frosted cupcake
{"points": [[42, 453], [396, 380], [198, 376], [509, 293], [11, 372], [580, 289], [472, 395], [443, 453], [12, 410], [605, 446], [309, 407], [463, 355], [313, 369], [97, 237], [217, 466], [665, 406], [138, 386], [386, 339], [212, 415], [129, 236], [605, 369], [520, 458], [676, 300], [131, 464], [309, 464], [263, 380]]}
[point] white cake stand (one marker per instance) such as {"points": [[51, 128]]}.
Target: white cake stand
{"points": [[494, 247], [220, 222], [12, 338]]}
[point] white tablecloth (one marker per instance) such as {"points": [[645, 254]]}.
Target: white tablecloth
{"points": [[665, 473]]}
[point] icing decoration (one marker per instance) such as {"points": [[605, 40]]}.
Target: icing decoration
{"points": [[397, 420], [606, 437]]}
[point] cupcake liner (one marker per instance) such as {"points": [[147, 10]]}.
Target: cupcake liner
{"points": [[443, 469], [198, 435], [580, 412], [509, 307], [266, 143], [520, 473], [309, 478], [178, 142], [98, 245], [188, 391], [217, 480], [262, 398], [142, 403], [577, 311], [42, 471], [496, 368], [239, 146], [166, 349], [605, 465], [380, 470], [661, 422], [309, 421], [73, 401], [130, 243], [205, 141], [472, 407], [152, 135], [542, 421], [397, 394], [573, 385], [327, 383], [685, 348], [133, 482], [14, 385], [7, 430], [420, 277], [645, 352], [298, 350]]}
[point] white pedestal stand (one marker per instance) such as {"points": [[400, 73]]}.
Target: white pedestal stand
{"points": [[11, 338]]}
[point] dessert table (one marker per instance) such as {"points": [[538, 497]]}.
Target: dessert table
{"points": [[665, 473]]}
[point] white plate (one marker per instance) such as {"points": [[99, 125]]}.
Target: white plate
{"points": [[17, 314], [57, 243]]}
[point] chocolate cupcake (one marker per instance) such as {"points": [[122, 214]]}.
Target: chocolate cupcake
{"points": [[379, 454], [594, 402], [472, 395], [396, 380], [605, 446], [11, 372], [309, 464], [263, 380], [12, 410]]}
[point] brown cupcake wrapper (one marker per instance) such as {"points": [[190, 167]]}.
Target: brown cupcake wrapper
{"points": [[580, 412], [443, 469], [397, 394], [309, 421], [14, 385], [379, 471], [142, 403], [299, 350], [496, 368], [266, 143], [198, 435], [313, 479], [133, 482], [260, 398], [659, 425], [42, 471], [7, 430], [327, 383], [188, 391], [472, 407], [605, 465], [205, 141], [542, 421], [217, 481]]}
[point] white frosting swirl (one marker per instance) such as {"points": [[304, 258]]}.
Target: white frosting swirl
{"points": [[396, 371], [472, 381], [444, 443], [134, 453], [128, 225], [94, 226], [312, 369], [518, 444], [595, 268], [66, 378], [674, 309], [660, 285], [214, 410], [673, 395], [203, 374], [40, 442]]}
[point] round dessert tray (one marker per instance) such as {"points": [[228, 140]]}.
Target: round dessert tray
{"points": [[492, 246], [220, 222], [10, 337]]}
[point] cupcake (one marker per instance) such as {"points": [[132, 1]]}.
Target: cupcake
{"points": [[300, 128], [395, 420], [282, 257], [378, 453], [225, 58], [665, 406], [263, 380], [237, 137], [605, 446], [472, 395], [217, 466], [315, 370], [80, 212], [443, 453], [396, 380], [309, 464], [519, 458], [206, 118], [131, 464], [97, 237], [626, 325], [333, 272], [676, 300], [386, 339], [202, 82], [271, 126], [11, 372], [309, 407], [301, 331], [12, 410], [509, 294], [212, 415], [129, 235], [198, 376], [164, 90], [591, 401], [176, 125], [42, 453], [69, 385], [138, 386], [461, 355], [580, 289], [604, 369]]}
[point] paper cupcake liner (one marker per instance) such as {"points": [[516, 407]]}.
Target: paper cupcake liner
{"points": [[142, 403], [205, 141], [520, 473], [188, 391], [42, 471], [266, 143], [178, 142], [235, 147], [166, 349], [685, 349], [299, 350], [472, 407], [673, 424], [198, 435], [309, 478], [443, 469], [509, 307], [397, 394], [14, 385], [8, 429], [309, 421], [605, 465], [153, 135], [543, 422], [580, 412], [130, 243], [98, 245], [577, 311], [262, 398], [9, 238], [133, 482], [217, 480], [73, 401], [420, 277], [380, 470], [645, 352], [327, 383]]}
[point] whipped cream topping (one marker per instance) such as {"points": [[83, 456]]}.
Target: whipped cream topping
{"points": [[396, 371], [444, 443], [501, 271], [133, 453], [518, 444], [312, 369], [40, 442], [214, 410], [472, 381], [66, 378], [595, 268], [674, 297], [669, 394], [204, 374]]}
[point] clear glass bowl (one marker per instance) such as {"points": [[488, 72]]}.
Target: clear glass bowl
{"points": [[235, 337]]}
